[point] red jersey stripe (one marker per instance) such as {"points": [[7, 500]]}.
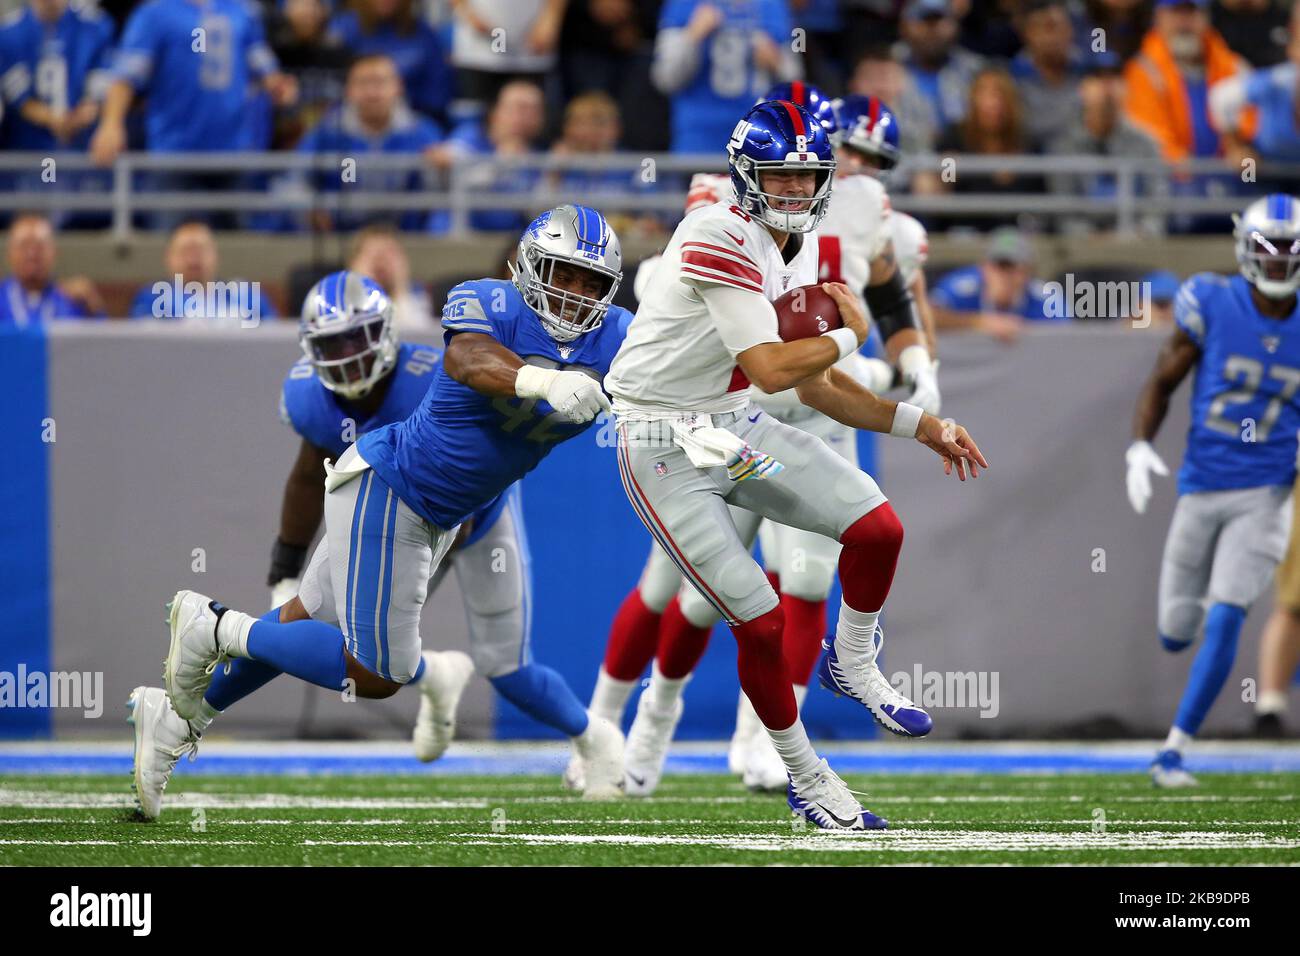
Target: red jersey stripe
{"points": [[723, 279], [709, 260]]}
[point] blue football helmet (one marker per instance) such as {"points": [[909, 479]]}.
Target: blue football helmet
{"points": [[869, 126], [573, 235], [817, 103], [780, 135], [1267, 236], [346, 332]]}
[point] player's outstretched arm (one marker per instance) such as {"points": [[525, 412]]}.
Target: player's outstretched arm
{"points": [[488, 367], [1177, 357]]}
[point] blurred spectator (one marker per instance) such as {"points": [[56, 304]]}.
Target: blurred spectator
{"points": [[995, 297], [609, 45], [880, 74], [1255, 29], [1047, 70], [713, 58], [993, 126], [1161, 289], [825, 47], [1272, 92], [55, 62], [870, 23], [941, 70], [393, 28], [192, 290], [377, 251], [30, 294], [372, 119], [1168, 82], [989, 29], [512, 128], [194, 66], [315, 58], [495, 41], [1101, 130], [1111, 28]]}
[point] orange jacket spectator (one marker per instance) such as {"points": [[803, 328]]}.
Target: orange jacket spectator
{"points": [[1156, 98]]}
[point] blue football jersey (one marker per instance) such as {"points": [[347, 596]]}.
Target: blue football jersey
{"points": [[461, 448], [195, 63], [60, 64], [321, 418], [1245, 410]]}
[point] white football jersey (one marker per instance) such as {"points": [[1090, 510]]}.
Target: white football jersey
{"points": [[854, 231], [911, 245], [674, 359]]}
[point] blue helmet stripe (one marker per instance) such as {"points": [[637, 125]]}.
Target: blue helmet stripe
{"points": [[589, 222], [1279, 207]]}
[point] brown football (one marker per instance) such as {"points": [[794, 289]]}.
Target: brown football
{"points": [[806, 311]]}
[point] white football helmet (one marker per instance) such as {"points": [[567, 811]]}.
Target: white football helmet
{"points": [[346, 332], [567, 235], [1267, 237]]}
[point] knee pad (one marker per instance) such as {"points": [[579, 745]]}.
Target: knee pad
{"points": [[1180, 621]]}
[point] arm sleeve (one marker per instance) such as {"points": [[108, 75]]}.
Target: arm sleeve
{"points": [[743, 319], [134, 62], [1187, 312]]}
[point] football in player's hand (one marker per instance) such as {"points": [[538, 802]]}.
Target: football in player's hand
{"points": [[804, 312]]}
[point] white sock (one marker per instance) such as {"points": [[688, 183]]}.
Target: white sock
{"points": [[665, 691], [204, 717], [747, 722], [1271, 702], [795, 749], [1178, 740], [232, 632], [609, 699], [855, 630]]}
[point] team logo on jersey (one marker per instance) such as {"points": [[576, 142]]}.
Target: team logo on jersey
{"points": [[661, 469], [1271, 342], [565, 351]]}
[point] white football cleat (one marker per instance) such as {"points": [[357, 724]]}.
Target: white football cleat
{"points": [[194, 652], [162, 737], [575, 773], [737, 752], [647, 746], [764, 770], [826, 801], [445, 675], [600, 754], [1167, 770]]}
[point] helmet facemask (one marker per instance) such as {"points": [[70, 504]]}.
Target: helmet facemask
{"points": [[350, 363], [1270, 263], [564, 314], [766, 207]]}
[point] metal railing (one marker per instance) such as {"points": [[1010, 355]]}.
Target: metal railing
{"points": [[656, 184]]}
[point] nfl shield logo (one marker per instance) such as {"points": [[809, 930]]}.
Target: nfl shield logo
{"points": [[661, 469], [1271, 342], [565, 351]]}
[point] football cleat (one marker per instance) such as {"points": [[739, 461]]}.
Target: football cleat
{"points": [[764, 771], [600, 752], [826, 801], [737, 751], [862, 680], [647, 746], [194, 652], [1168, 771], [1270, 727], [162, 737], [575, 774], [445, 676]]}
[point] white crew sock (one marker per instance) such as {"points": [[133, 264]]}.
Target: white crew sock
{"points": [[855, 630], [609, 699], [1271, 702], [795, 749], [232, 632], [665, 691], [1178, 740]]}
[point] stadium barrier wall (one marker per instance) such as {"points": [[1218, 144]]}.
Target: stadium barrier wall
{"points": [[168, 463]]}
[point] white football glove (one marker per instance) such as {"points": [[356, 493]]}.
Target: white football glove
{"points": [[1142, 461], [285, 590], [576, 396], [921, 376]]}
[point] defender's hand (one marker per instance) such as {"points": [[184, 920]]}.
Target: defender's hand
{"points": [[577, 397], [953, 444], [851, 313], [1142, 461]]}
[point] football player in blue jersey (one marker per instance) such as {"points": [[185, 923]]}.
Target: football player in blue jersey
{"points": [[1230, 527], [521, 372]]}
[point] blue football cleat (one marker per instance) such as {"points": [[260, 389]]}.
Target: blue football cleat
{"points": [[825, 800], [862, 680], [1168, 771]]}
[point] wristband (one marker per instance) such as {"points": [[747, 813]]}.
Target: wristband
{"points": [[286, 562], [906, 419], [846, 340]]}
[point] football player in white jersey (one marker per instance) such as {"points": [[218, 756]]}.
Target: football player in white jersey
{"points": [[691, 442], [662, 616]]}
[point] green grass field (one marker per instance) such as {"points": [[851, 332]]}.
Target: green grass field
{"points": [[700, 819]]}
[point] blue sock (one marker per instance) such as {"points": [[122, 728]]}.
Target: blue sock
{"points": [[245, 675], [1212, 665], [310, 650], [542, 694]]}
